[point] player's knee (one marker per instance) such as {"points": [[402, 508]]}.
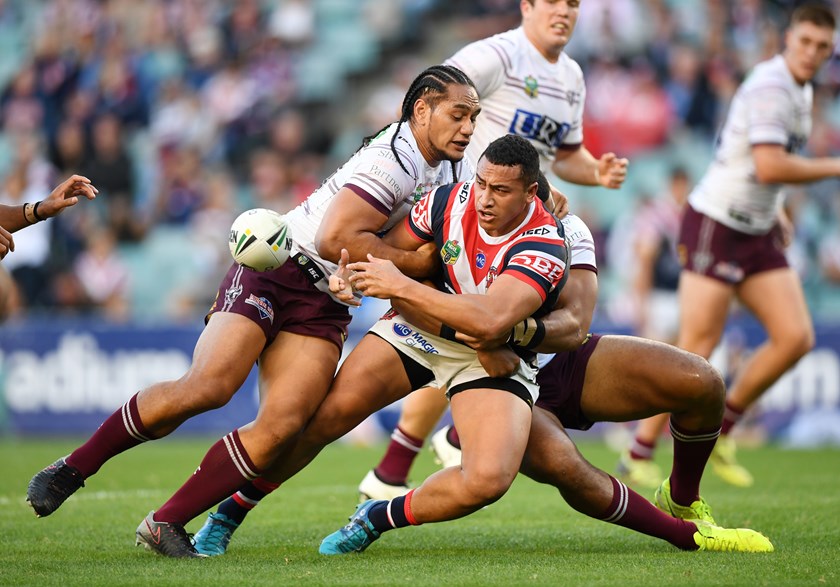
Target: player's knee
{"points": [[799, 343], [704, 386], [484, 485], [203, 393]]}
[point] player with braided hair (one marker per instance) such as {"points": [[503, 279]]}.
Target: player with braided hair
{"points": [[285, 317]]}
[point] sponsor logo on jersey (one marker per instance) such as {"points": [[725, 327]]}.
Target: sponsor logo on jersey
{"points": [[414, 339], [464, 193], [531, 86], [537, 127], [263, 305], [547, 267], [701, 261], [480, 260], [450, 252]]}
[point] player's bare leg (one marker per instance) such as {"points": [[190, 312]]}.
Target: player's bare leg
{"points": [[212, 379], [420, 413]]}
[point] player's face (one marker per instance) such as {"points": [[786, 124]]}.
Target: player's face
{"points": [[444, 132], [807, 46], [549, 24], [501, 197]]}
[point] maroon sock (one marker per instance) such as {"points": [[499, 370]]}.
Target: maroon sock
{"points": [[631, 510], [453, 438], [642, 450], [121, 431], [225, 468], [400, 455], [691, 451], [731, 416]]}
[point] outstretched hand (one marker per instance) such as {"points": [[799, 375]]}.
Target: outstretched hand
{"points": [[377, 278], [612, 171], [340, 281], [66, 194]]}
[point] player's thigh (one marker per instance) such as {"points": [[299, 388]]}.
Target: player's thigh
{"points": [[422, 409], [224, 355], [630, 378], [549, 450], [493, 427], [371, 377], [294, 375], [776, 299], [704, 307]]}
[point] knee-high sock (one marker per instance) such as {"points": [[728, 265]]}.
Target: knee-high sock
{"points": [[631, 510], [225, 468], [240, 504], [691, 452], [399, 456], [121, 431]]}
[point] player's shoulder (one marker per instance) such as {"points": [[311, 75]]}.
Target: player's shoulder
{"points": [[772, 73], [570, 67], [575, 228]]}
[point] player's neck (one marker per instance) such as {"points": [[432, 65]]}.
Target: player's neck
{"points": [[549, 53]]}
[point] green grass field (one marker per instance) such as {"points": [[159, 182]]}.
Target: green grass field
{"points": [[530, 537]]}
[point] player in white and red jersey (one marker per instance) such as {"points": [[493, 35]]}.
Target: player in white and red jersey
{"points": [[734, 230], [284, 318], [528, 87]]}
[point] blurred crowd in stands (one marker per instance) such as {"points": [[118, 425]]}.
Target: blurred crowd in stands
{"points": [[186, 112]]}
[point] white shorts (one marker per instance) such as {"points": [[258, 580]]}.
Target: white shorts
{"points": [[455, 366]]}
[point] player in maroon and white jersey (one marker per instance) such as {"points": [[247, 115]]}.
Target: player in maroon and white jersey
{"points": [[286, 319], [734, 229]]}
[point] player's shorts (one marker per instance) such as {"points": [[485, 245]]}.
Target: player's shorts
{"points": [[561, 385], [452, 365], [283, 299], [713, 249]]}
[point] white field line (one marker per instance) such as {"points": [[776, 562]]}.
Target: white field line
{"points": [[93, 496]]}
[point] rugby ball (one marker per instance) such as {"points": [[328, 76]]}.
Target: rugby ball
{"points": [[260, 239]]}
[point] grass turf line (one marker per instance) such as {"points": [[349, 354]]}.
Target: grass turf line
{"points": [[530, 537]]}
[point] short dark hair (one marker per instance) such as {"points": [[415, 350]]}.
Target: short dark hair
{"points": [[818, 14], [513, 150]]}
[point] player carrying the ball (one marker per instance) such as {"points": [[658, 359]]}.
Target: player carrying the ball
{"points": [[286, 319]]}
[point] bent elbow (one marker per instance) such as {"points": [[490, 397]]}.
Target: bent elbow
{"points": [[328, 248]]}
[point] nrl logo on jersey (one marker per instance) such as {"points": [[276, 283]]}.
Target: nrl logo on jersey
{"points": [[450, 252], [531, 86]]}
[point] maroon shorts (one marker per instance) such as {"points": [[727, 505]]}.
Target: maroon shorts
{"points": [[713, 249], [561, 385], [282, 300]]}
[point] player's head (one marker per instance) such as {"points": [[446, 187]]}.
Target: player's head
{"points": [[506, 182], [549, 24], [809, 40], [441, 106]]}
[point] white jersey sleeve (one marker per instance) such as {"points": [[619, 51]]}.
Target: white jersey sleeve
{"points": [[770, 107], [582, 245], [374, 174]]}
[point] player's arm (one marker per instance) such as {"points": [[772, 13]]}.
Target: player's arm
{"points": [[568, 323], [352, 223], [775, 165], [491, 315], [581, 167], [66, 194]]}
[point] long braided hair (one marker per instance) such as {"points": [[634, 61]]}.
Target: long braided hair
{"points": [[431, 85]]}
